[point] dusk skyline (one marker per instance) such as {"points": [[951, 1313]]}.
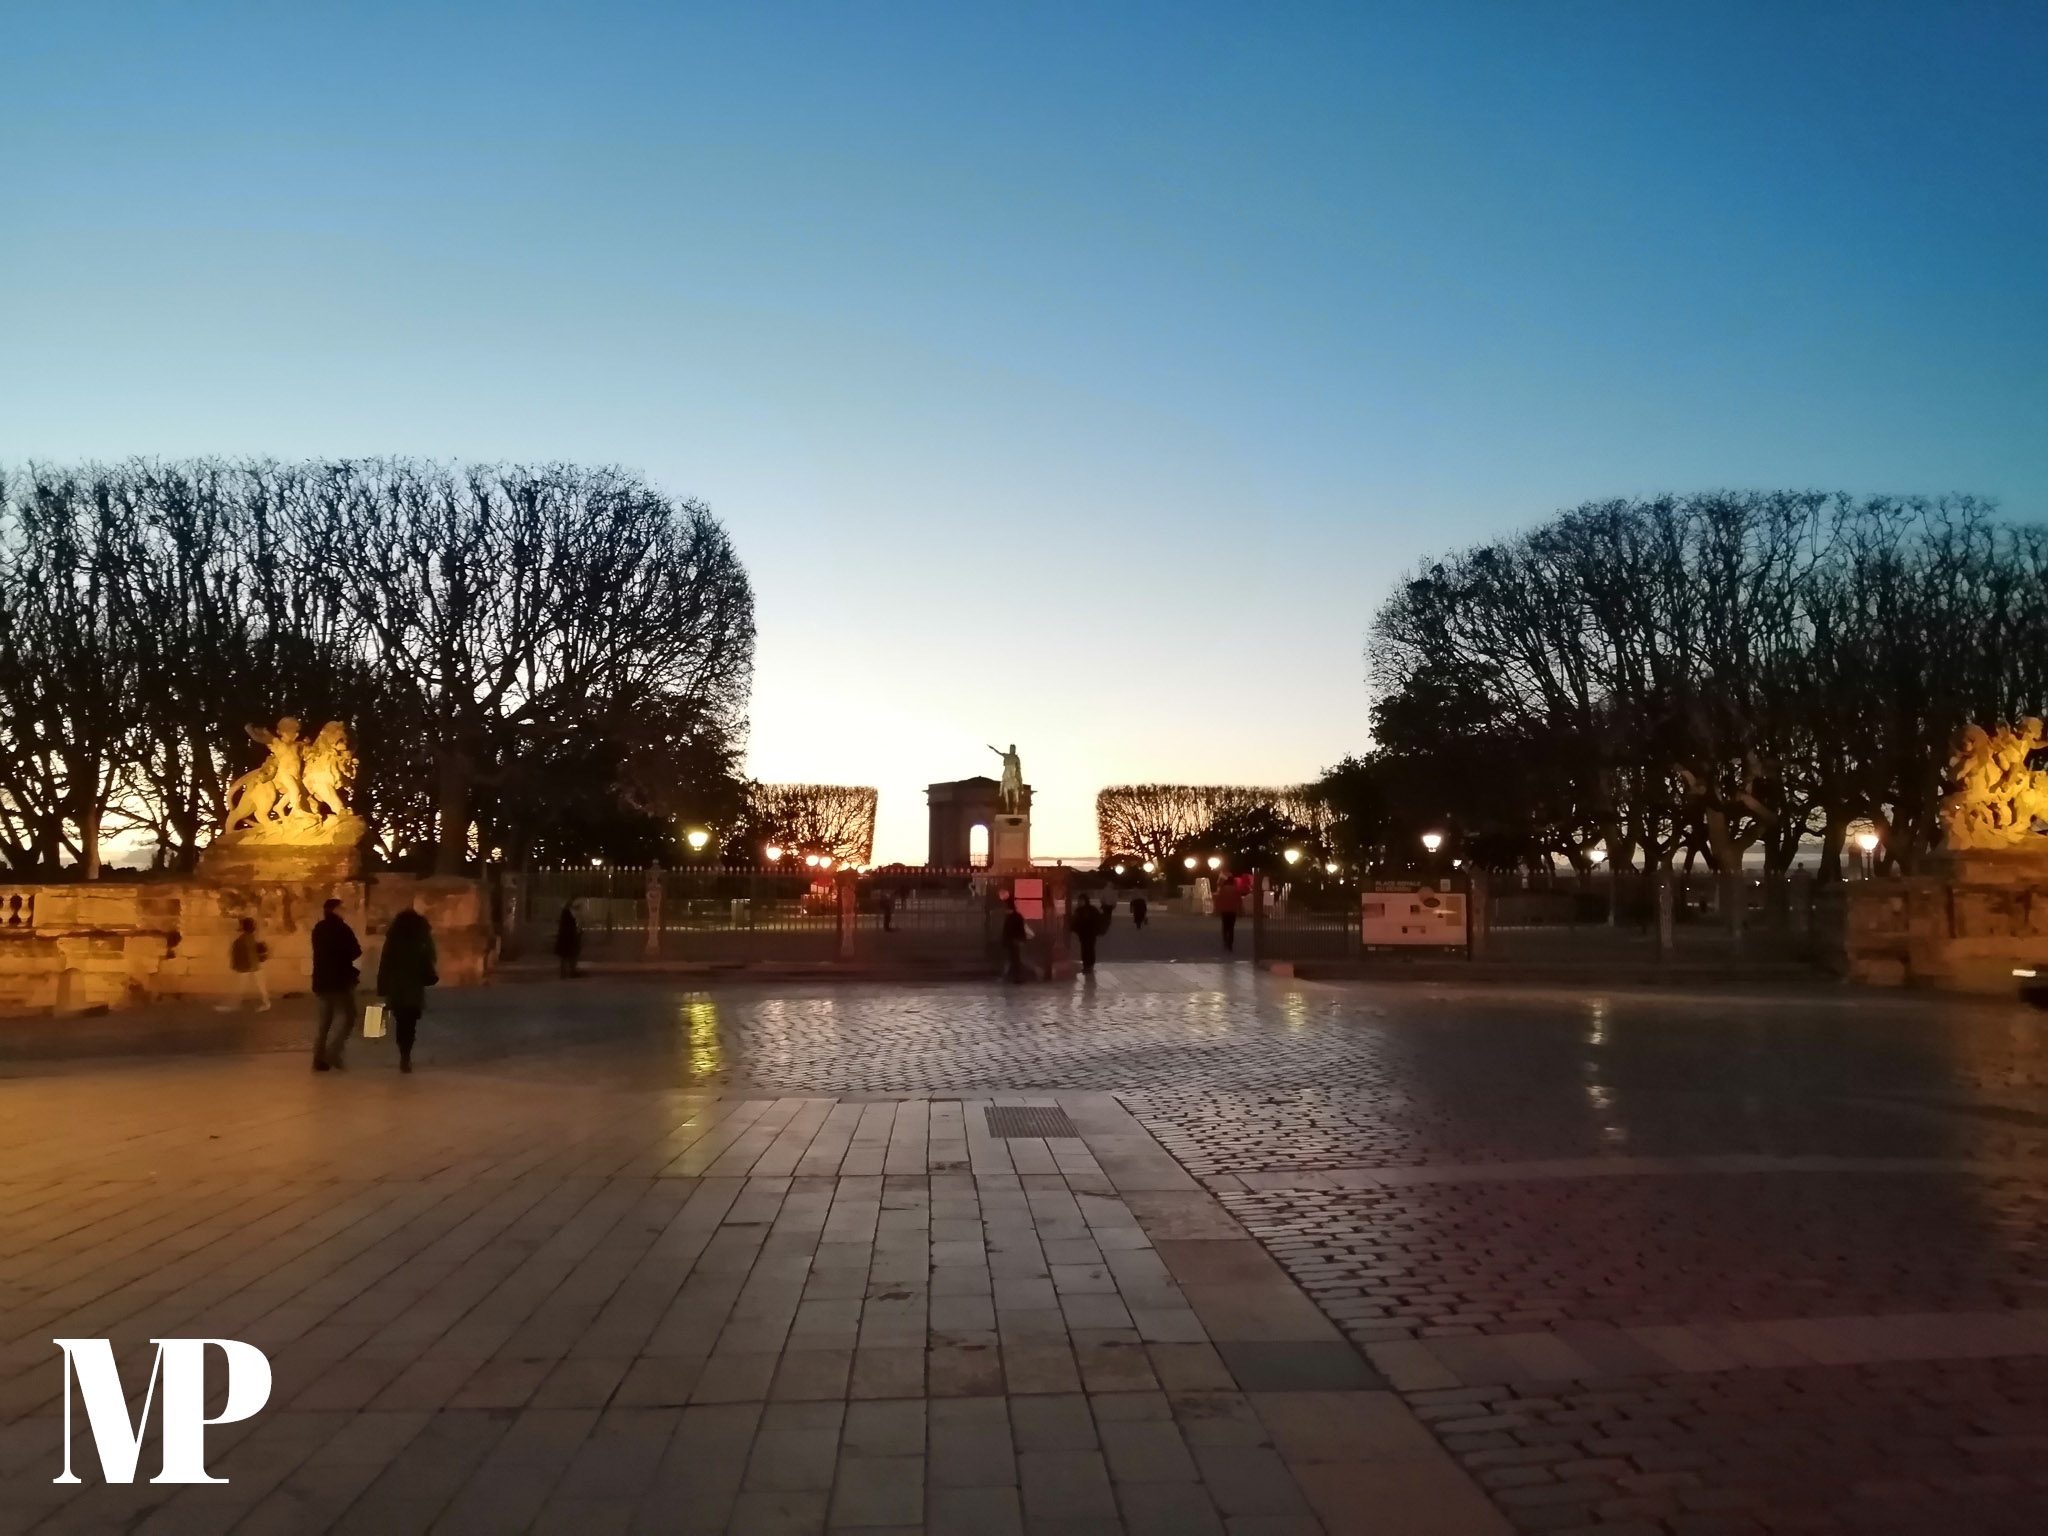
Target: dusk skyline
{"points": [[1071, 381]]}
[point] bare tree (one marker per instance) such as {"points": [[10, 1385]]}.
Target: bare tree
{"points": [[1151, 821], [508, 609], [836, 820]]}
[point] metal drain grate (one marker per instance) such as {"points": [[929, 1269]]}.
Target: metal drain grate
{"points": [[1028, 1120]]}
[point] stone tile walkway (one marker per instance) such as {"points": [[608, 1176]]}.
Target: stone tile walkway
{"points": [[494, 1307], [1316, 1258]]}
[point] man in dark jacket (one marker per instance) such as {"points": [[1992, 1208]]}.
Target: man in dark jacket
{"points": [[335, 951], [1087, 922], [1014, 933], [568, 941]]}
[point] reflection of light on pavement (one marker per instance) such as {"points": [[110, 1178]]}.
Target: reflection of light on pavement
{"points": [[703, 1050], [1294, 1012], [1599, 1097]]}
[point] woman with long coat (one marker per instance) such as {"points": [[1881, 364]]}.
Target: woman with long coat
{"points": [[404, 972]]}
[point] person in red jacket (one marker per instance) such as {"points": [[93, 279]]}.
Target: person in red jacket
{"points": [[1228, 902]]}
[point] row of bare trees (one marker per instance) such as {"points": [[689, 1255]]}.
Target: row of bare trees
{"points": [[1707, 676], [1250, 825], [836, 820], [538, 661]]}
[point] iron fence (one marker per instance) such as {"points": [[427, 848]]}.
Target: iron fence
{"points": [[899, 916]]}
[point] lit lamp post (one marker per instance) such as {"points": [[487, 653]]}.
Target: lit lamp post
{"points": [[1214, 862], [1868, 843], [1292, 856], [1599, 858], [1431, 841], [1190, 861], [696, 837]]}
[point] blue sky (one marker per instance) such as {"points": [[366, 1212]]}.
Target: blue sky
{"points": [[1079, 376]]}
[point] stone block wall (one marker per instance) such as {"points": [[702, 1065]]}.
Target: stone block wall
{"points": [[1963, 925], [116, 944]]}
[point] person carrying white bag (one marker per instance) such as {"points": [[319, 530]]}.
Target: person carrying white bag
{"points": [[404, 972]]}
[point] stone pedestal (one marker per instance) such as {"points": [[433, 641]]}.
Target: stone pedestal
{"points": [[1009, 843], [288, 852]]}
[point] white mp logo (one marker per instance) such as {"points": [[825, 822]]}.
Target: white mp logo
{"points": [[181, 1367]]}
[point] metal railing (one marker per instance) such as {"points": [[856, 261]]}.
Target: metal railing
{"points": [[914, 917]]}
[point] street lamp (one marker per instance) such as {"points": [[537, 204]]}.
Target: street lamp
{"points": [[1292, 855], [1119, 869], [1432, 841], [1214, 862], [697, 839], [1867, 842], [773, 853], [1189, 861], [597, 863], [1330, 868], [1150, 867], [1598, 856]]}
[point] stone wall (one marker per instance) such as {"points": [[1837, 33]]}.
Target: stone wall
{"points": [[1961, 925], [118, 944]]}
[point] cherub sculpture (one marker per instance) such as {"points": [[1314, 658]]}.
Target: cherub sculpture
{"points": [[296, 780], [256, 795], [1996, 796]]}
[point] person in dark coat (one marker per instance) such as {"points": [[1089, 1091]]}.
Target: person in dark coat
{"points": [[1228, 902], [1014, 934], [335, 951], [404, 972], [1086, 922], [1138, 911], [568, 940]]}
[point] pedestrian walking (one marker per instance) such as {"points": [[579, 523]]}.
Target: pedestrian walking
{"points": [[1086, 922], [245, 958], [335, 951], [888, 905], [1014, 934], [404, 972], [1138, 911], [1228, 902], [568, 940]]}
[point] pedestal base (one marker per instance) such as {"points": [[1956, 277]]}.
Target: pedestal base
{"points": [[1009, 843], [296, 851]]}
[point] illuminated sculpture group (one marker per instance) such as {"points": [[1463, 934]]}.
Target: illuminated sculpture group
{"points": [[299, 784], [1996, 797]]}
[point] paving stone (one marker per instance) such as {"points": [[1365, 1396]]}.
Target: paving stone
{"points": [[879, 1491], [1065, 1485]]}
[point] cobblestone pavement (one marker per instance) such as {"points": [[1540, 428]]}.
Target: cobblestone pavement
{"points": [[642, 1257]]}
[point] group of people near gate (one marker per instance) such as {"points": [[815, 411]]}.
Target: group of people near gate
{"points": [[1089, 922]]}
